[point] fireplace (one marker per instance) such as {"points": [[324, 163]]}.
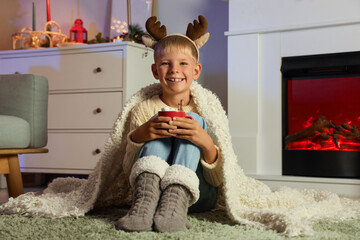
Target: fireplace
{"points": [[321, 115], [261, 34]]}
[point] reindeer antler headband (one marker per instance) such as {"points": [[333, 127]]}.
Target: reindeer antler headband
{"points": [[195, 33]]}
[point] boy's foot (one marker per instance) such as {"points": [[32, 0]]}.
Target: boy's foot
{"points": [[171, 214], [146, 197]]}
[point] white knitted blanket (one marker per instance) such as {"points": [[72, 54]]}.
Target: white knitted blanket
{"points": [[248, 201]]}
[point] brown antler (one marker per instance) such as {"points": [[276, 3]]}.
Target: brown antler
{"points": [[154, 29], [196, 30]]}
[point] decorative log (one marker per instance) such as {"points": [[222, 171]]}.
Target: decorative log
{"points": [[325, 133], [317, 128], [324, 136], [349, 132]]}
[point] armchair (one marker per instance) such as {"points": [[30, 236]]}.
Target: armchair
{"points": [[23, 123]]}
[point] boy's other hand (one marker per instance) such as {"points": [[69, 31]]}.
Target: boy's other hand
{"points": [[157, 127]]}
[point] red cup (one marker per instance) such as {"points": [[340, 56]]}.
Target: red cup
{"points": [[173, 114]]}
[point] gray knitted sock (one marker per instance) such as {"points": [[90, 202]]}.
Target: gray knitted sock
{"points": [[171, 214], [146, 197]]}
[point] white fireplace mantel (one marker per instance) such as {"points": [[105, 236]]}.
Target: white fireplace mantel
{"points": [[254, 78]]}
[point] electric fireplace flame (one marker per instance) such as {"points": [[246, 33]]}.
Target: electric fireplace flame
{"points": [[322, 134], [323, 114]]}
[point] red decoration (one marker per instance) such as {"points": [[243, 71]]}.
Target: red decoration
{"points": [[48, 10], [78, 33]]}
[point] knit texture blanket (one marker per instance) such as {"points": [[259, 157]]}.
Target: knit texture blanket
{"points": [[248, 201]]}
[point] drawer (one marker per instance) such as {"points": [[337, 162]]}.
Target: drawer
{"points": [[71, 72], [68, 153], [84, 110]]}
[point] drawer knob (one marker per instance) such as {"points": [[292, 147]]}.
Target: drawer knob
{"points": [[97, 151], [97, 70], [98, 110]]}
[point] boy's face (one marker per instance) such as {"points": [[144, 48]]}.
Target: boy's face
{"points": [[176, 71]]}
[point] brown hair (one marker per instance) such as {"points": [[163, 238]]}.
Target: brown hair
{"points": [[178, 42]]}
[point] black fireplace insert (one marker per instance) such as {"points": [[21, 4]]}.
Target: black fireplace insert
{"points": [[321, 115]]}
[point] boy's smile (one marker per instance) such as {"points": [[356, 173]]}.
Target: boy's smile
{"points": [[176, 71], [175, 79]]}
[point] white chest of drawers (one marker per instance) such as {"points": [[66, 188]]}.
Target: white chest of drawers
{"points": [[88, 85]]}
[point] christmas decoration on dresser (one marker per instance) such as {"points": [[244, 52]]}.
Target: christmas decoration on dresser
{"points": [[99, 39], [51, 36], [78, 33], [133, 35]]}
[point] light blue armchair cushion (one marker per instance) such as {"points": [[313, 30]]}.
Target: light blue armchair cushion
{"points": [[14, 132], [26, 96]]}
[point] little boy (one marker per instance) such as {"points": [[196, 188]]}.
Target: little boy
{"points": [[171, 155]]}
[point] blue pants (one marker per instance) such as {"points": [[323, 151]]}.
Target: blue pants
{"points": [[183, 152]]}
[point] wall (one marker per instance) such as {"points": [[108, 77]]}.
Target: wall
{"points": [[263, 15], [175, 14]]}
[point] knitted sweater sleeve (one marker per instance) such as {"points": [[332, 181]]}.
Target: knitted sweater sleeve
{"points": [[213, 173]]}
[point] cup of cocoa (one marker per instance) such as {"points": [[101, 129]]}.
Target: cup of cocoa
{"points": [[170, 112]]}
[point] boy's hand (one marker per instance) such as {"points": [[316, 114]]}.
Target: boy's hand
{"points": [[157, 127], [192, 131]]}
